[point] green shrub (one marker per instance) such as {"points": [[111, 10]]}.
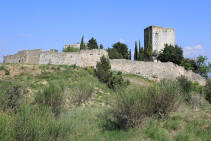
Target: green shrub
{"points": [[6, 127], [186, 87], [131, 107], [71, 49], [12, 98], [103, 69], [104, 74], [52, 96], [82, 92], [197, 87], [37, 124], [116, 81], [5, 70], [207, 91]]}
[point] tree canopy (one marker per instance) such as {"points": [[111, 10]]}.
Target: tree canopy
{"points": [[171, 54], [92, 44]]}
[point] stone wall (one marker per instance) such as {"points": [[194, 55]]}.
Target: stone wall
{"points": [[89, 58], [154, 71], [24, 57], [84, 58]]}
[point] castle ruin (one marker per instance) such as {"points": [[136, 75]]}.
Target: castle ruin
{"points": [[158, 37], [88, 58]]}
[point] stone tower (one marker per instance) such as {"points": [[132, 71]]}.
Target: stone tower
{"points": [[159, 36]]}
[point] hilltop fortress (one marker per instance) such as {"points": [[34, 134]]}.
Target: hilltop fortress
{"points": [[89, 58]]}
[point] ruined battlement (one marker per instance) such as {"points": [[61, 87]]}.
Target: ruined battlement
{"points": [[89, 58]]}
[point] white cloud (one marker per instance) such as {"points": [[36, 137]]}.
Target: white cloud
{"points": [[122, 40], [194, 51]]}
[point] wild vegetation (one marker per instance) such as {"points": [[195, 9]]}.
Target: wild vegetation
{"points": [[49, 102]]}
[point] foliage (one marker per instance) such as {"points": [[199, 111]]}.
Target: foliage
{"points": [[171, 54], [114, 54], [116, 81], [186, 87], [6, 127], [101, 46], [12, 99], [189, 64], [37, 124], [103, 69], [136, 52], [70, 49], [51, 96], [104, 74], [121, 49], [202, 67], [5, 70], [82, 92], [82, 44], [131, 107], [148, 48], [92, 44], [207, 91], [129, 55]]}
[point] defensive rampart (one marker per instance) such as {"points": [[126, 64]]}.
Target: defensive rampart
{"points": [[89, 58]]}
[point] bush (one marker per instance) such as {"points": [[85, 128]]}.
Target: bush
{"points": [[52, 96], [207, 91], [131, 107], [6, 127], [104, 74], [116, 81], [186, 87], [171, 54], [82, 92], [103, 69], [5, 70], [12, 98], [71, 49], [37, 124]]}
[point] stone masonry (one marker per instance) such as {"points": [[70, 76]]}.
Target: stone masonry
{"points": [[159, 36], [89, 58]]}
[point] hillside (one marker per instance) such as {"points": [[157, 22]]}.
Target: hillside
{"points": [[81, 114]]}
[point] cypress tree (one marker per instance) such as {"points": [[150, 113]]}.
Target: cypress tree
{"points": [[139, 49], [129, 55], [148, 49], [136, 52], [82, 45], [101, 46], [141, 54]]}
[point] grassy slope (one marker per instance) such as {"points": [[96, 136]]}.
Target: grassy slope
{"points": [[86, 122]]}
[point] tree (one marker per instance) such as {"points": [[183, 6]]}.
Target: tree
{"points": [[139, 49], [92, 44], [129, 55], [82, 45], [189, 64], [171, 54], [202, 68], [103, 69], [148, 48], [136, 52], [122, 49], [141, 54], [114, 54], [101, 46]]}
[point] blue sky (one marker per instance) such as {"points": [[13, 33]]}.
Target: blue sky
{"points": [[49, 24]]}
